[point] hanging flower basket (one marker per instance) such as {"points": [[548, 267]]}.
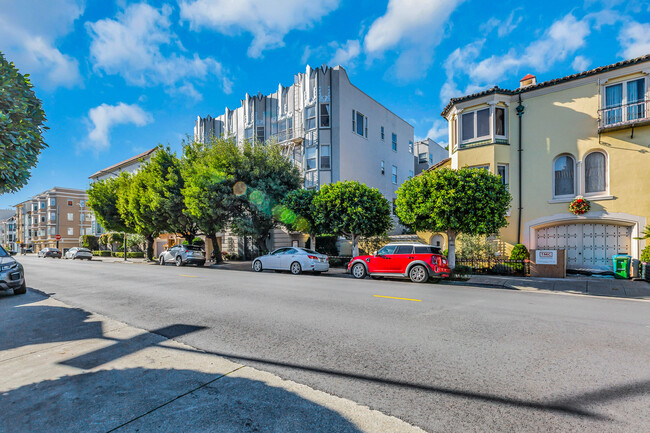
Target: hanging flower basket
{"points": [[580, 206]]}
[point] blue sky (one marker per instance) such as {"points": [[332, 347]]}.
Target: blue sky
{"points": [[116, 78]]}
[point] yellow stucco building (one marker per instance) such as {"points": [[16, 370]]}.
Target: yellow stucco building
{"points": [[585, 135]]}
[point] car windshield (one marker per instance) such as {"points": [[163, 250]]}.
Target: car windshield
{"points": [[388, 249], [3, 252], [309, 251], [193, 247]]}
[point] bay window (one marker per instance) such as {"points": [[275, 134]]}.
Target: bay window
{"points": [[482, 124]]}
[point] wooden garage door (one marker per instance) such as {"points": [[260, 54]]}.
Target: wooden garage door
{"points": [[588, 246]]}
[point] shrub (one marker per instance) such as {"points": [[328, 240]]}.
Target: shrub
{"points": [[476, 247], [130, 255], [519, 252], [185, 242], [325, 245], [198, 241], [445, 252], [645, 254], [461, 272], [102, 253], [339, 262], [89, 241]]}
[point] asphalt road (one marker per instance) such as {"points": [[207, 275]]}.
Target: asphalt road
{"points": [[450, 358]]}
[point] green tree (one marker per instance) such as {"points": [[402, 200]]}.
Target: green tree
{"points": [[208, 191], [21, 127], [302, 215], [103, 198], [263, 178], [471, 201], [353, 210]]}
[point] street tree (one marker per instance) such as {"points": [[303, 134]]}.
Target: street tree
{"points": [[21, 127], [165, 183], [263, 178], [470, 201], [352, 209], [208, 188], [102, 199], [302, 216]]}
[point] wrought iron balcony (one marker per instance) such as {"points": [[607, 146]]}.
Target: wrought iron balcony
{"points": [[624, 116]]}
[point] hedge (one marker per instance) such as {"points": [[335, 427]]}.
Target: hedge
{"points": [[102, 253], [130, 254]]}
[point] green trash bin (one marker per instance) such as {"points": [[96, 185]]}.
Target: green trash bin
{"points": [[622, 265]]}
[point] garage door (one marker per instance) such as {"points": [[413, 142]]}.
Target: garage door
{"points": [[588, 246]]}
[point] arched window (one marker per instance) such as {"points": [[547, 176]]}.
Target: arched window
{"points": [[564, 176], [595, 173]]}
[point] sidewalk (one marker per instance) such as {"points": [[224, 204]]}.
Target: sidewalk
{"points": [[578, 284], [65, 369]]}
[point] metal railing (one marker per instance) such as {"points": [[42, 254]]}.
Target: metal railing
{"points": [[623, 114], [496, 266]]}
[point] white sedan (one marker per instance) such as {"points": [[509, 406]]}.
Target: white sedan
{"points": [[294, 259], [79, 253]]}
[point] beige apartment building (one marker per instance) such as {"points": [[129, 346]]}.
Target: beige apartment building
{"points": [[57, 211]]}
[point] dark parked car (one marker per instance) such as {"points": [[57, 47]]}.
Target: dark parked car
{"points": [[55, 253], [12, 276]]}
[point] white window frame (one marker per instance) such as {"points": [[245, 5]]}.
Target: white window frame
{"points": [[321, 155], [52, 216], [583, 175], [329, 115], [383, 134], [70, 217], [383, 167], [52, 201], [505, 122], [506, 177], [624, 102], [394, 174], [575, 177], [70, 231], [364, 127], [307, 119], [410, 147], [393, 142], [475, 125]]}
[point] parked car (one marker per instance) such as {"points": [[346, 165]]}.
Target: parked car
{"points": [[79, 253], [12, 275], [26, 250], [416, 261], [50, 252], [293, 259], [183, 255]]}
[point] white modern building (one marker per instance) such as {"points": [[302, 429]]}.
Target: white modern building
{"points": [[329, 128], [428, 153]]}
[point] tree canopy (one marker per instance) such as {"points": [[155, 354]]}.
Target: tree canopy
{"points": [[471, 201], [352, 209], [302, 216], [21, 127], [102, 199]]}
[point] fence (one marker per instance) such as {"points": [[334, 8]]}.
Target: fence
{"points": [[496, 266]]}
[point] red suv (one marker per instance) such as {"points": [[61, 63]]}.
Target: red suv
{"points": [[418, 262]]}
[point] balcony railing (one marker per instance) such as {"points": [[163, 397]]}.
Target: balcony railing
{"points": [[624, 115]]}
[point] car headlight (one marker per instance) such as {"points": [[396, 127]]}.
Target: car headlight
{"points": [[9, 266]]}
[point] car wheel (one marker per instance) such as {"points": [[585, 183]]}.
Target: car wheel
{"points": [[257, 266], [295, 268], [358, 271], [179, 261], [418, 274], [21, 290], [161, 260]]}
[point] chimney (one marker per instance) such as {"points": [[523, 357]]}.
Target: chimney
{"points": [[528, 80]]}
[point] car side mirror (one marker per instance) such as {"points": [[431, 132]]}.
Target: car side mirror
{"points": [[374, 253]]}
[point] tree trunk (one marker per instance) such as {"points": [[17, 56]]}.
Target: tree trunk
{"points": [[215, 248], [150, 241], [312, 242], [451, 249], [355, 245], [261, 245]]}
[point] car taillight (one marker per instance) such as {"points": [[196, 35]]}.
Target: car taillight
{"points": [[313, 257]]}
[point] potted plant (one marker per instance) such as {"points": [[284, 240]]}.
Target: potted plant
{"points": [[580, 206]]}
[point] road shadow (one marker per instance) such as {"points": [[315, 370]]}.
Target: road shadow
{"points": [[165, 400]]}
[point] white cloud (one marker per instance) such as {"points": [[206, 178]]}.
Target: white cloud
{"points": [[561, 40], [438, 132], [104, 117], [504, 28], [580, 64], [634, 39], [130, 46], [414, 28], [29, 30], [346, 53], [268, 21]]}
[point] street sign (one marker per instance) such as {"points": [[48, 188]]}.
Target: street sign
{"points": [[57, 237]]}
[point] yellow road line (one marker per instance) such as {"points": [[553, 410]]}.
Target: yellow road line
{"points": [[188, 276], [393, 297]]}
